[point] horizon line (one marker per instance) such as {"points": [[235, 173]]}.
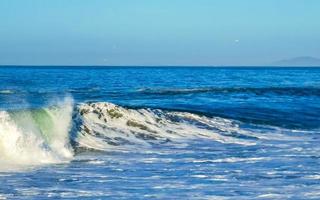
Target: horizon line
{"points": [[213, 66]]}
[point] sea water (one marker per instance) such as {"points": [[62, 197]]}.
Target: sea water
{"points": [[159, 133]]}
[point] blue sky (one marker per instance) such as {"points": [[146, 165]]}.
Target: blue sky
{"points": [[157, 32]]}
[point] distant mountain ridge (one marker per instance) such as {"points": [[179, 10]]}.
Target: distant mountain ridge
{"points": [[303, 61]]}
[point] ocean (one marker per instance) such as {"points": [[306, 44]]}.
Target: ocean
{"points": [[159, 133]]}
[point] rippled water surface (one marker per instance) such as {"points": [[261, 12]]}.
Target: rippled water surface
{"points": [[159, 133]]}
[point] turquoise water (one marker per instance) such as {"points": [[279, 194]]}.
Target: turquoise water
{"points": [[159, 133]]}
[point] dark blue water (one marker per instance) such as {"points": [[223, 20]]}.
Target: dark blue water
{"points": [[287, 97], [277, 109]]}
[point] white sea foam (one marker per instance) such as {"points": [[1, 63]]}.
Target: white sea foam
{"points": [[106, 126]]}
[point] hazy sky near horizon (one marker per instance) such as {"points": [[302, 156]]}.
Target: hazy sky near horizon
{"points": [[157, 32]]}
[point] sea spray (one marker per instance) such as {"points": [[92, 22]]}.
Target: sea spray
{"points": [[35, 137]]}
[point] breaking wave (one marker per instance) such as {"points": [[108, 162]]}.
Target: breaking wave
{"points": [[55, 134]]}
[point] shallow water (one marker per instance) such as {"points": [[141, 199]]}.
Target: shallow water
{"points": [[168, 133]]}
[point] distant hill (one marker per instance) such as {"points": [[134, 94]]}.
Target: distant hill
{"points": [[304, 61]]}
